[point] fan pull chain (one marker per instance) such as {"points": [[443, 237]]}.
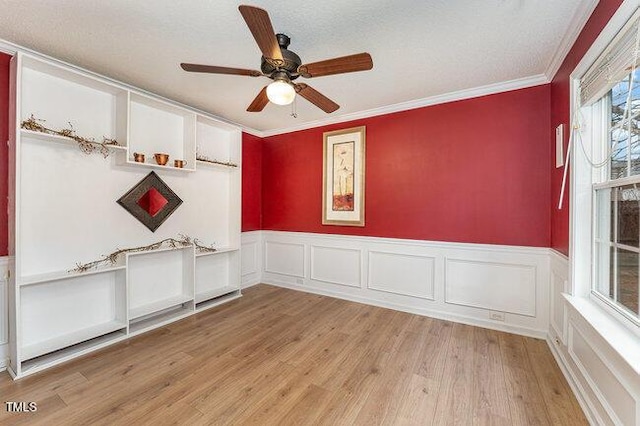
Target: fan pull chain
{"points": [[294, 108]]}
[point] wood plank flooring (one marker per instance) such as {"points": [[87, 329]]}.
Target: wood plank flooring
{"points": [[281, 357]]}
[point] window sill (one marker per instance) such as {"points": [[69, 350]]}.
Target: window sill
{"points": [[621, 339]]}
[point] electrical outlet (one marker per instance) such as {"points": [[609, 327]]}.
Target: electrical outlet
{"points": [[496, 316], [299, 281]]}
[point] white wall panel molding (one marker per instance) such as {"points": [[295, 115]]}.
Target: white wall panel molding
{"points": [[409, 275], [602, 379], [587, 347], [559, 268], [505, 287], [285, 258], [336, 265], [251, 263], [4, 313], [404, 274]]}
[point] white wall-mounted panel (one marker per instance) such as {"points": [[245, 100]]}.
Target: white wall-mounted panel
{"points": [[494, 286], [284, 258], [249, 258], [558, 283], [336, 265], [619, 404], [252, 255], [408, 275]]}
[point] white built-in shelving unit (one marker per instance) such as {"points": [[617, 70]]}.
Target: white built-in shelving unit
{"points": [[63, 211]]}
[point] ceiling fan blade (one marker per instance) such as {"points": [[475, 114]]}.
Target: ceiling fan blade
{"points": [[351, 63], [259, 102], [219, 70], [260, 25], [316, 98]]}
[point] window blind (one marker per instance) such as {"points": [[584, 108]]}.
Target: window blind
{"points": [[613, 64]]}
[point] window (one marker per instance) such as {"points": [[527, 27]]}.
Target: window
{"points": [[610, 104]]}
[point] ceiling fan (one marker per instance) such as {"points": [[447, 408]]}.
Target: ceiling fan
{"points": [[283, 66]]}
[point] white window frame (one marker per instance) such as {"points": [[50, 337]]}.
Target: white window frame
{"points": [[583, 177]]}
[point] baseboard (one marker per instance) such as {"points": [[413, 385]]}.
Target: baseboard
{"points": [[492, 286], [446, 316]]}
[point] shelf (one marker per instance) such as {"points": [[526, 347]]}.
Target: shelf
{"points": [[46, 137], [210, 294], [45, 361], [211, 303], [41, 348], [167, 166], [159, 320], [160, 250], [216, 165], [218, 251], [63, 275], [158, 306]]}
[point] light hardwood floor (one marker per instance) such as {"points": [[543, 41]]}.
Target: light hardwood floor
{"points": [[278, 356]]}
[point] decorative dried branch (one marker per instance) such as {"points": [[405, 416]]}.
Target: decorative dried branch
{"points": [[86, 145], [112, 259], [222, 163]]}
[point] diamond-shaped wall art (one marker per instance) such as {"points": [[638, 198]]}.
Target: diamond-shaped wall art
{"points": [[150, 201]]}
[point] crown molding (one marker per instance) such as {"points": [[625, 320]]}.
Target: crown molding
{"points": [[12, 49], [475, 92], [579, 20], [490, 89]]}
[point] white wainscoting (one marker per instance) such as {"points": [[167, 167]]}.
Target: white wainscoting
{"points": [[470, 283], [4, 313], [607, 386], [251, 261]]}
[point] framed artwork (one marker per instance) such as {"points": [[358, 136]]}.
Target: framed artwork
{"points": [[150, 201], [343, 177]]}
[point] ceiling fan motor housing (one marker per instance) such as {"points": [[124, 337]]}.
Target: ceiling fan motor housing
{"points": [[289, 64]]}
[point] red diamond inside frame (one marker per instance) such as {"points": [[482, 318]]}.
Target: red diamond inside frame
{"points": [[150, 201]]}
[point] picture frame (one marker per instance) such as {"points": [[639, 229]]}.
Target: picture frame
{"points": [[343, 175]]}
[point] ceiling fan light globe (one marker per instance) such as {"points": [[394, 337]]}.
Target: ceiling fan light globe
{"points": [[281, 93]]}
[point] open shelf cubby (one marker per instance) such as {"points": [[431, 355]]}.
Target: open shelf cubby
{"points": [[62, 97], [159, 127], [159, 280], [217, 273], [67, 311], [216, 143]]}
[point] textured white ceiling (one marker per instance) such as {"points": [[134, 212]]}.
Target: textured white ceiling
{"points": [[420, 48]]}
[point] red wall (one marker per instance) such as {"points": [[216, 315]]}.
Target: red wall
{"points": [[472, 171], [251, 182], [4, 136], [560, 114]]}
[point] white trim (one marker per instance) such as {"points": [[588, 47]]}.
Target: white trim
{"points": [[404, 299], [12, 48], [402, 241], [446, 316], [489, 89], [587, 407], [4, 312], [579, 20]]}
